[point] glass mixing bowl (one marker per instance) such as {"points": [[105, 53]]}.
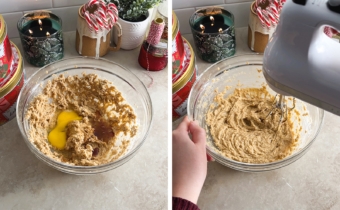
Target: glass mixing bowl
{"points": [[246, 71], [132, 89]]}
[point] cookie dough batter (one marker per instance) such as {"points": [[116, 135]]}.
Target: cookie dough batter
{"points": [[241, 131], [107, 122]]}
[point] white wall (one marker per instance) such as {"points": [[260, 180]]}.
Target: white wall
{"points": [[13, 10], [185, 8]]}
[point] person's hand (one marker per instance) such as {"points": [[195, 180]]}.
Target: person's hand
{"points": [[189, 160]]}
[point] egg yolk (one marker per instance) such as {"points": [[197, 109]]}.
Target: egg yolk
{"points": [[57, 137]]}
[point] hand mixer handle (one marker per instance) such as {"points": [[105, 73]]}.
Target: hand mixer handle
{"points": [[334, 3], [323, 52], [324, 62], [323, 57]]}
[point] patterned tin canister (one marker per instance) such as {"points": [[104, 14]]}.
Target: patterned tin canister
{"points": [[185, 63], [177, 47], [10, 91], [181, 88], [5, 52]]}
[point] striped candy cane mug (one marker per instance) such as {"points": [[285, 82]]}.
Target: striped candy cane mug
{"points": [[263, 18], [96, 19]]}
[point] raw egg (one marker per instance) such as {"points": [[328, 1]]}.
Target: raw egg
{"points": [[57, 137]]}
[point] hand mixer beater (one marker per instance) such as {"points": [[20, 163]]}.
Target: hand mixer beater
{"points": [[279, 104], [300, 59]]}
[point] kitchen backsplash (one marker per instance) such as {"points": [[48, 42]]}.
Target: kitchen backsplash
{"points": [[185, 8], [12, 10]]}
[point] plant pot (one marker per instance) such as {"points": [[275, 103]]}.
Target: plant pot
{"points": [[258, 36], [95, 44], [133, 33]]}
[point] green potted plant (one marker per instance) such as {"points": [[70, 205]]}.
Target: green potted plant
{"points": [[134, 17]]}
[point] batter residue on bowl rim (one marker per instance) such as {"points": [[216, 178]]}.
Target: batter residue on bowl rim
{"points": [[102, 134], [241, 131]]}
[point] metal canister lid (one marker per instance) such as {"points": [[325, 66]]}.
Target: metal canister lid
{"points": [[4, 90], [175, 25], [187, 74], [3, 31]]}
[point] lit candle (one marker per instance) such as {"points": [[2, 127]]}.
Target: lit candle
{"points": [[202, 27], [212, 24], [212, 20], [220, 30], [39, 28], [40, 24]]}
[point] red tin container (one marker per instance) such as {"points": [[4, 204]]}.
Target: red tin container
{"points": [[177, 47], [153, 57], [181, 88], [185, 63], [5, 52], [9, 92]]}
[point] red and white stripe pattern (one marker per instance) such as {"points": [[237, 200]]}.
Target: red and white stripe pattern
{"points": [[269, 16], [156, 31], [330, 32], [102, 16]]}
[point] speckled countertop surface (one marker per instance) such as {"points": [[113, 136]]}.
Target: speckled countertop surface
{"points": [[312, 182], [141, 183]]}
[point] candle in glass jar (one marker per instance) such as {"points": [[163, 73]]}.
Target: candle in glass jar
{"points": [[41, 37], [213, 33]]}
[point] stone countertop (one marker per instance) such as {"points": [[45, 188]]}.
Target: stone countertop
{"points": [[141, 183], [312, 182]]}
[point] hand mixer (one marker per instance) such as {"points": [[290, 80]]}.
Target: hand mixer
{"points": [[300, 59]]}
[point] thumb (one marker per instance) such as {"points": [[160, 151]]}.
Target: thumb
{"points": [[183, 126], [198, 133]]}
